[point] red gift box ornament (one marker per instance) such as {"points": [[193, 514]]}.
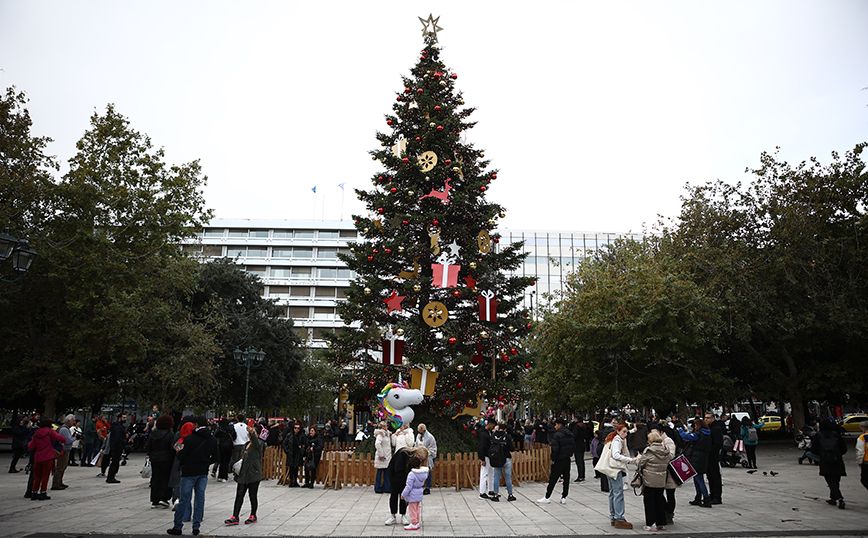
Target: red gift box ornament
{"points": [[393, 349], [445, 275], [487, 306]]}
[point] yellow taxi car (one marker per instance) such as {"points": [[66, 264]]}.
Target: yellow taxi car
{"points": [[771, 422], [850, 423]]}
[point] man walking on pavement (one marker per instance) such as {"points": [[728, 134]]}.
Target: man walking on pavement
{"points": [[63, 459], [715, 481], [563, 446], [485, 472]]}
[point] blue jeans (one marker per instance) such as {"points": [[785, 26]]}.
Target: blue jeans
{"points": [[430, 473], [507, 472], [189, 484], [381, 482], [699, 484], [616, 497]]}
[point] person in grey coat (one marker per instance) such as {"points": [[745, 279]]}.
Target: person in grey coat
{"points": [[424, 438]]}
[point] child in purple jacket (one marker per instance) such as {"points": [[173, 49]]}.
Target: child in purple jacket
{"points": [[412, 494]]}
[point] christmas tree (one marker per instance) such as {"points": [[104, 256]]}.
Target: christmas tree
{"points": [[432, 290]]}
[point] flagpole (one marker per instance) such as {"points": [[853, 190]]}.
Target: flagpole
{"points": [[341, 185], [314, 202]]}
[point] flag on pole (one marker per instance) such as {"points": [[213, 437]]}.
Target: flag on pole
{"points": [[314, 189], [341, 185]]}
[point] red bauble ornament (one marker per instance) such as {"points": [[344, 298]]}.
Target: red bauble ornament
{"points": [[419, 91], [380, 178], [493, 176], [439, 127], [405, 222], [385, 369], [528, 325], [482, 188], [370, 258], [372, 383], [393, 190], [418, 138], [435, 222], [513, 351], [452, 340], [504, 357], [533, 282], [454, 76], [437, 109], [421, 57], [456, 293], [496, 240], [466, 427], [406, 160], [380, 210], [527, 365], [406, 90], [376, 251], [460, 384], [447, 402], [388, 122], [389, 251]]}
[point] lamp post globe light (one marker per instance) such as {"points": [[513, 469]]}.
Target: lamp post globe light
{"points": [[248, 359], [20, 252]]}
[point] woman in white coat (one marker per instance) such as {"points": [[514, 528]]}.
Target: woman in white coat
{"points": [[403, 438], [382, 457]]}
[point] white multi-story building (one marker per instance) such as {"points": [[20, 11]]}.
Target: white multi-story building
{"points": [[297, 261]]}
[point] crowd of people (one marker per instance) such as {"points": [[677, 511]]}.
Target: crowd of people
{"points": [[181, 456]]}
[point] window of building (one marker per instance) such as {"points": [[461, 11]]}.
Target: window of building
{"points": [[301, 332], [325, 291], [327, 273], [328, 234], [282, 234], [257, 270], [236, 251], [299, 312], [318, 334], [259, 233], [327, 253], [303, 253], [303, 234], [253, 252], [342, 293], [280, 292], [300, 291], [214, 232], [301, 273], [348, 274], [281, 252], [322, 312], [349, 233], [237, 233], [192, 248], [213, 251], [281, 272]]}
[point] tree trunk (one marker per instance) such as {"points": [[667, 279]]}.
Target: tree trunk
{"points": [[50, 407]]}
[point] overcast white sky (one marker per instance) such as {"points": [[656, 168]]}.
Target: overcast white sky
{"points": [[596, 113]]}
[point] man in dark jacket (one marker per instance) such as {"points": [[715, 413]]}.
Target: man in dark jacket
{"points": [[20, 438], [118, 441], [541, 431], [293, 447], [483, 443], [577, 428], [563, 447], [715, 481], [197, 454], [829, 444]]}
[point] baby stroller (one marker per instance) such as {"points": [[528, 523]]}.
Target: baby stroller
{"points": [[728, 456], [128, 447], [803, 442]]}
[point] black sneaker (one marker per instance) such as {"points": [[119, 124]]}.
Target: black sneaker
{"points": [[483, 496], [511, 498], [173, 531], [496, 499], [841, 504], [833, 502], [426, 491]]}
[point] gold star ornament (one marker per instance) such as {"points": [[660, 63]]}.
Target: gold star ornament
{"points": [[430, 26]]}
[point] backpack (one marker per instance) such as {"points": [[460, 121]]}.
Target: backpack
{"points": [[752, 435], [829, 452], [497, 449]]}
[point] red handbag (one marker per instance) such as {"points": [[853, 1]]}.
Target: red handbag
{"points": [[681, 470]]}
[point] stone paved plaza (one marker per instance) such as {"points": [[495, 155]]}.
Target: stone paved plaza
{"points": [[789, 504]]}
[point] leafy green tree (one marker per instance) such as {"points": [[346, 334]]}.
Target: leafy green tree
{"points": [[428, 211], [785, 258], [229, 302], [110, 270], [630, 302], [313, 389]]}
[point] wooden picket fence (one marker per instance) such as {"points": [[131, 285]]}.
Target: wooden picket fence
{"points": [[341, 467]]}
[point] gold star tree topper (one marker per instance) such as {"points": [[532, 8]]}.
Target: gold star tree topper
{"points": [[430, 26]]}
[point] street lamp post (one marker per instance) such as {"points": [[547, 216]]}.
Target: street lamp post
{"points": [[20, 252], [248, 358]]}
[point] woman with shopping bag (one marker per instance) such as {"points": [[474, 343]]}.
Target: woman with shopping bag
{"points": [[613, 463]]}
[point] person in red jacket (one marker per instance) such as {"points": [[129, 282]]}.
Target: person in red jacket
{"points": [[42, 446]]}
